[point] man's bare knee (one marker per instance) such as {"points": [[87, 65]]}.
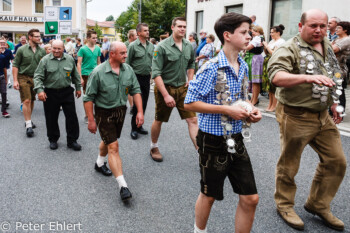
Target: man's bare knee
{"points": [[27, 102], [207, 199], [192, 120], [249, 201], [113, 147]]}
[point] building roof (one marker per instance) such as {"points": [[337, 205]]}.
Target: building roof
{"points": [[105, 24]]}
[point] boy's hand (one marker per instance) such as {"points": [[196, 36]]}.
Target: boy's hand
{"points": [[254, 116], [236, 112]]}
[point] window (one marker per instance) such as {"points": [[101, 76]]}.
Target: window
{"points": [[236, 9], [286, 12], [39, 6], [199, 21], [56, 2], [6, 5]]}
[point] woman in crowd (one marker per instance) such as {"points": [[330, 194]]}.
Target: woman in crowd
{"points": [[255, 61], [207, 52], [341, 48], [47, 48], [275, 33]]}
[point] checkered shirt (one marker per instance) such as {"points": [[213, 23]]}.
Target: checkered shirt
{"points": [[202, 89]]}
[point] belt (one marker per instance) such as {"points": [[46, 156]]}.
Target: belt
{"points": [[57, 90], [24, 75], [236, 136], [300, 109], [109, 109]]}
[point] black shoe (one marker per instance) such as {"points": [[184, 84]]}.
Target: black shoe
{"points": [[53, 145], [74, 145], [29, 132], [142, 131], [125, 194], [33, 126], [134, 135], [104, 169]]}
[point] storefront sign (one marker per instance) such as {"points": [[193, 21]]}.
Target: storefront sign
{"points": [[27, 19]]}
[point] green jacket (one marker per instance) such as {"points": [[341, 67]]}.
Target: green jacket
{"points": [[26, 61], [172, 64], [140, 57], [56, 74], [107, 89]]}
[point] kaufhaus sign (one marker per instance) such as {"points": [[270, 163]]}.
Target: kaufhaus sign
{"points": [[12, 18]]}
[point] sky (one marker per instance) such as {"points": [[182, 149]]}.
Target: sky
{"points": [[100, 9]]}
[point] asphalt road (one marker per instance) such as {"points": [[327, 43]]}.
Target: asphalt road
{"points": [[53, 188]]}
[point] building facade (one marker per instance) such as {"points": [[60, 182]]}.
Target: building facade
{"points": [[17, 17], [203, 13], [107, 28]]}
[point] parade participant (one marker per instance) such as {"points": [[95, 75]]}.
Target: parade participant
{"points": [[48, 48], [11, 46], [140, 54], [132, 36], [26, 61], [69, 46], [3, 78], [332, 25], [221, 124], [173, 57], [105, 48], [207, 52], [88, 59], [108, 88], [203, 37], [76, 50], [192, 38], [302, 69], [52, 82], [22, 41]]}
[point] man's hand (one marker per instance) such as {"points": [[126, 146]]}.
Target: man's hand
{"points": [[139, 119], [236, 112], [78, 94], [82, 81], [16, 85], [92, 126], [336, 116], [42, 96], [255, 116], [320, 79], [169, 101]]}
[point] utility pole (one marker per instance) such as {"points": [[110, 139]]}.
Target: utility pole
{"points": [[140, 4]]}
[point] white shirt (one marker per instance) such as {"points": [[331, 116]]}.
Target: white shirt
{"points": [[256, 41], [274, 44], [69, 48]]}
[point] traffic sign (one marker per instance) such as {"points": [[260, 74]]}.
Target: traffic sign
{"points": [[51, 13], [51, 28], [65, 13], [65, 27]]}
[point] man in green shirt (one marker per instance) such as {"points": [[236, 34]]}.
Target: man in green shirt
{"points": [[26, 61], [108, 88], [140, 54], [52, 82], [302, 70], [172, 59], [132, 36]]}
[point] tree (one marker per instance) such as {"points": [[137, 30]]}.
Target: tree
{"points": [[98, 30], [110, 18], [158, 14]]}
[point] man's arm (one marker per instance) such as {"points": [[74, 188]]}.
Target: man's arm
{"points": [[76, 80], [98, 60], [284, 79], [139, 116], [80, 60], [5, 74], [168, 99], [88, 106], [190, 74], [39, 76]]}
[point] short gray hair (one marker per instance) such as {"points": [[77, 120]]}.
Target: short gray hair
{"points": [[336, 19]]}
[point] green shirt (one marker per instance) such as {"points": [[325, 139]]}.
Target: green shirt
{"points": [[107, 89], [127, 43], [140, 57], [287, 58], [11, 46], [56, 74], [89, 59], [26, 61], [170, 63]]}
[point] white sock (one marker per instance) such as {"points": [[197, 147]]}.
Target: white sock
{"points": [[154, 145], [106, 158], [197, 230], [121, 181], [100, 161], [28, 123]]}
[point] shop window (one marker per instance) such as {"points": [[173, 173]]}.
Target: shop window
{"points": [[288, 13], [39, 6], [199, 21], [6, 5], [236, 9], [56, 2]]}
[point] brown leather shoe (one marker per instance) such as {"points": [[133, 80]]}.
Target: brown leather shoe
{"points": [[156, 155], [328, 218], [291, 218]]}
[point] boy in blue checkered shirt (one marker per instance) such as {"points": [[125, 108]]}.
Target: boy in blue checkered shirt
{"points": [[216, 160]]}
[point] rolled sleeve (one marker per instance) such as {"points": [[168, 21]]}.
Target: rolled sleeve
{"points": [[135, 85], [157, 62], [39, 76], [18, 59], [191, 62], [76, 79], [281, 60]]}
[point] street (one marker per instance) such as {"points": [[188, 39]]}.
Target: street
{"points": [[59, 191]]}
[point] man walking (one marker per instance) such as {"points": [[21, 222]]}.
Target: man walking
{"points": [[105, 48], [132, 36], [108, 88], [173, 57], [52, 82], [69, 46], [3, 78], [332, 25], [26, 61], [302, 70], [139, 58]]}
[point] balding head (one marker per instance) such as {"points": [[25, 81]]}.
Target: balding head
{"points": [[118, 52], [57, 48], [312, 13]]}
